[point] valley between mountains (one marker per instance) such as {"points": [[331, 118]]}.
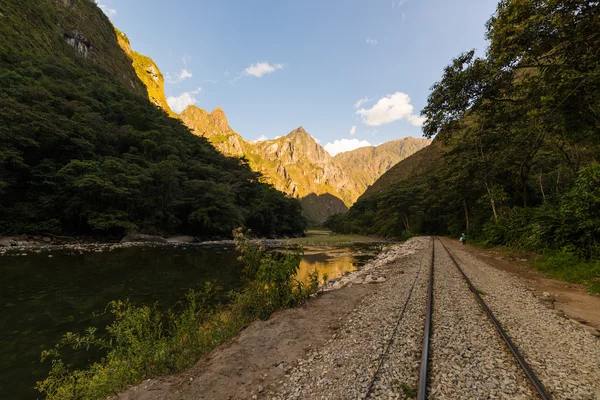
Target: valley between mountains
{"points": [[296, 163]]}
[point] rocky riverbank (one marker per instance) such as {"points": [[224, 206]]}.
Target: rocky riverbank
{"points": [[21, 245]]}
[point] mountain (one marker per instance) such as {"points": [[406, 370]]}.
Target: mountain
{"points": [[89, 146], [366, 164], [299, 166], [422, 163]]}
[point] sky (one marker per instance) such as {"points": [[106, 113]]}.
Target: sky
{"points": [[351, 72]]}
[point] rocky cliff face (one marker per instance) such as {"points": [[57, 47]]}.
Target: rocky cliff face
{"points": [[296, 164], [215, 128], [148, 72]]}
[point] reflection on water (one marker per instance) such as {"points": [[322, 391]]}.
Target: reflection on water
{"points": [[333, 262], [43, 297]]}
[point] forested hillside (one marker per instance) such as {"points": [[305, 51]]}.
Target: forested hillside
{"points": [[85, 152], [517, 140]]}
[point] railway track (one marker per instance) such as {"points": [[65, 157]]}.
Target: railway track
{"points": [[427, 362]]}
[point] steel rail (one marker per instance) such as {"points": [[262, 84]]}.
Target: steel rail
{"points": [[422, 393], [400, 317], [514, 350]]}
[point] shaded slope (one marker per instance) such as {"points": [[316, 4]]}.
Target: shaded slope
{"points": [[422, 163], [366, 164], [400, 200]]}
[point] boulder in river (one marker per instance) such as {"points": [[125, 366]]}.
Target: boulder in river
{"points": [[181, 239], [142, 238]]}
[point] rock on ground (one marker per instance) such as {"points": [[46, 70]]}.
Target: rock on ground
{"points": [[143, 238], [181, 239]]}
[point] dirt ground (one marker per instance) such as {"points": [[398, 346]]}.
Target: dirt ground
{"points": [[261, 354], [572, 299]]}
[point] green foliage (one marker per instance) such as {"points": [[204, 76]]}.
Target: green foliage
{"points": [[408, 391], [144, 342], [568, 265], [84, 151], [515, 156]]}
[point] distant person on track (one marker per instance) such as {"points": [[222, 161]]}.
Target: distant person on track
{"points": [[463, 239]]}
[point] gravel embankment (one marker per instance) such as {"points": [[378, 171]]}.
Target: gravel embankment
{"points": [[468, 358], [565, 356], [343, 367]]}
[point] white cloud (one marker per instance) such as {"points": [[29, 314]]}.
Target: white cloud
{"points": [[398, 3], [362, 101], [262, 138], [416, 120], [211, 81], [179, 103], [110, 12], [390, 108], [262, 68], [234, 80], [353, 130], [339, 146], [184, 74], [371, 41]]}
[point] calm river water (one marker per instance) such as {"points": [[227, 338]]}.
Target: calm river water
{"points": [[44, 297]]}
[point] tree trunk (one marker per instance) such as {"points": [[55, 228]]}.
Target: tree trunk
{"points": [[466, 216], [542, 187], [405, 220], [492, 201], [487, 187]]}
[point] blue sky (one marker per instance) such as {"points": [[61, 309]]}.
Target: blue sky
{"points": [[274, 65]]}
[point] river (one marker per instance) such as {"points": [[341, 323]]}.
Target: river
{"points": [[44, 297]]}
